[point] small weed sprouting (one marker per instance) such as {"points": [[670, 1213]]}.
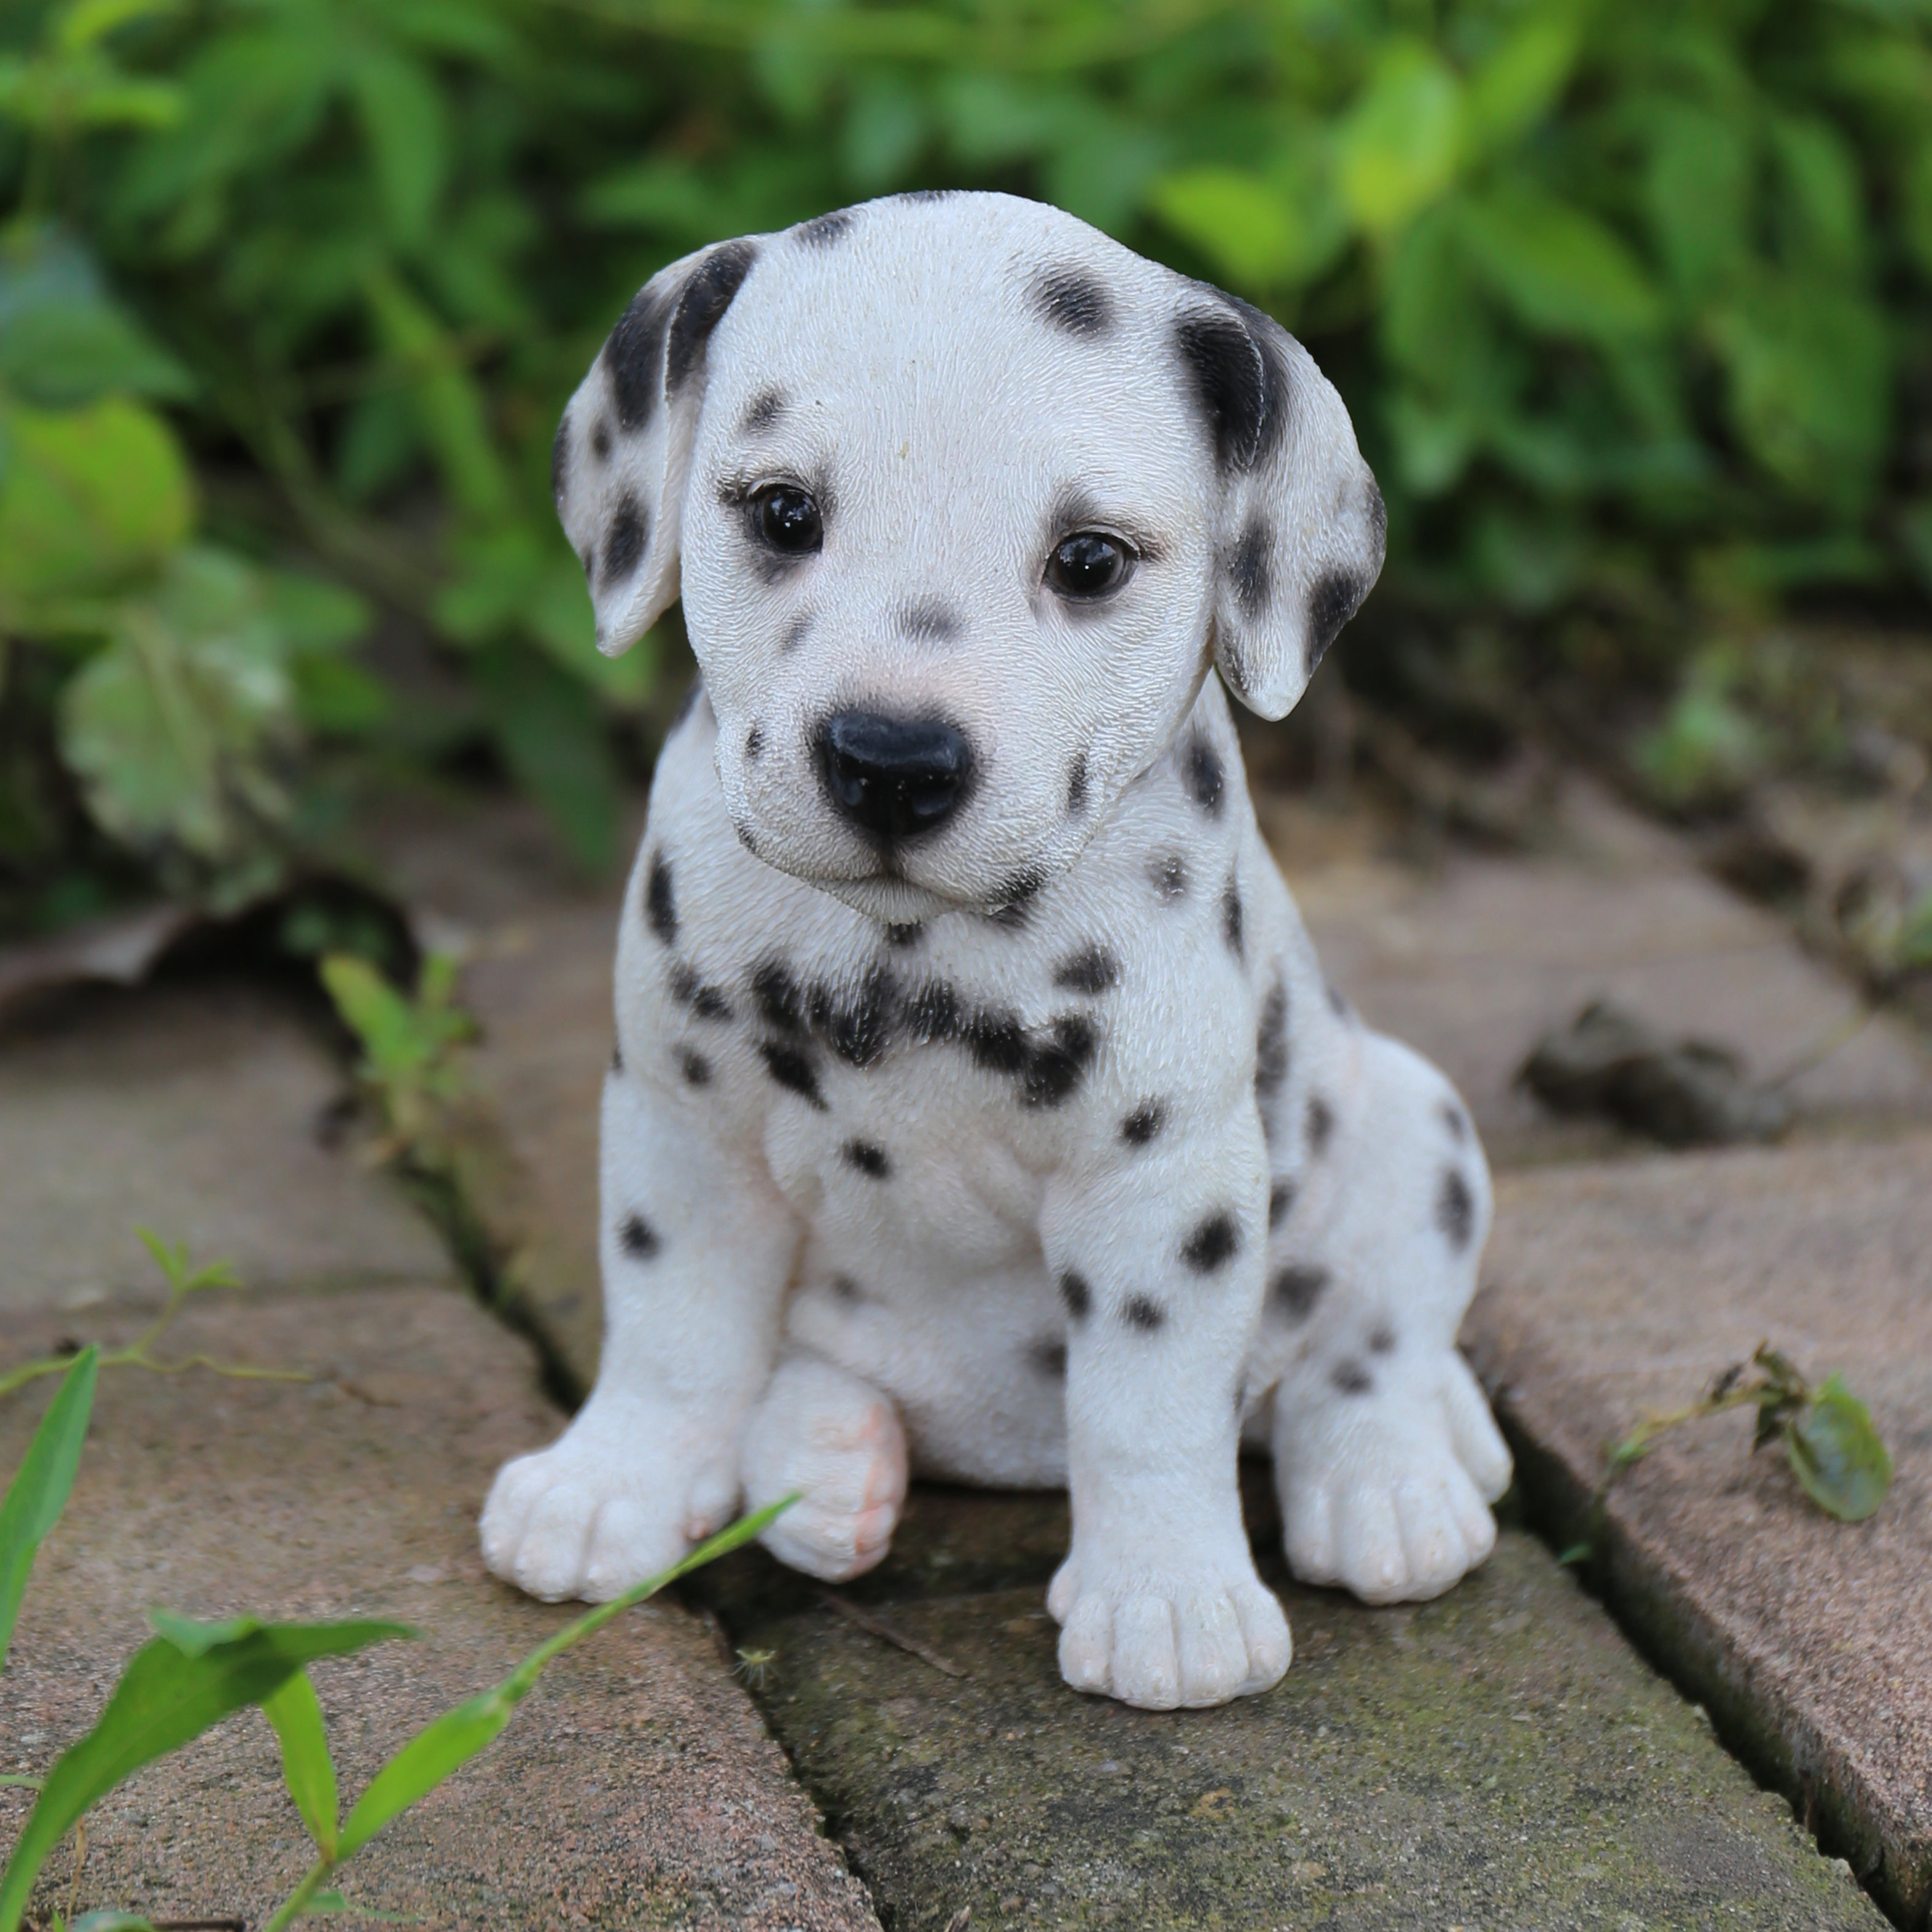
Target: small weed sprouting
{"points": [[183, 1279], [753, 1668], [190, 1675]]}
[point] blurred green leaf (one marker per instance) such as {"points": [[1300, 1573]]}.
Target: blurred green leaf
{"points": [[1250, 233], [403, 116], [41, 1485], [1837, 1455], [1559, 269], [1518, 85], [1398, 150]]}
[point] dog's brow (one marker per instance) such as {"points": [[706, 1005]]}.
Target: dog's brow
{"points": [[1074, 507], [762, 412]]}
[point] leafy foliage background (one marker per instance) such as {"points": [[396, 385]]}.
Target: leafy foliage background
{"points": [[1632, 303]]}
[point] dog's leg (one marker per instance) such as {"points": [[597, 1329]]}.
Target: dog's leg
{"points": [[836, 1441], [1159, 1258], [697, 1247], [1386, 1458]]}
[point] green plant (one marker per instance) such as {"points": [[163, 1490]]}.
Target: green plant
{"points": [[191, 1675]]}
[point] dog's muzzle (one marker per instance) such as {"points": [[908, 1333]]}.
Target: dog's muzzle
{"points": [[894, 778]]}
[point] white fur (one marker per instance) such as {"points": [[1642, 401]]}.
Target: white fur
{"points": [[861, 1184]]}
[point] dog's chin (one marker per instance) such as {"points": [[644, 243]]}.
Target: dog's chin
{"points": [[889, 901]]}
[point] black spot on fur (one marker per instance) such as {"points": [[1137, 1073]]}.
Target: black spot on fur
{"points": [[1201, 767], [695, 1067], [1281, 1203], [754, 741], [1233, 920], [1075, 1297], [632, 359], [1271, 1042], [600, 438], [794, 632], [1055, 1066], [1455, 1120], [706, 1003], [1382, 1339], [559, 459], [1071, 299], [929, 622], [638, 1237], [926, 194], [1248, 569], [1455, 1209], [792, 1070], [1049, 1358], [764, 410], [933, 1013], [1352, 1378], [1321, 1123], [1092, 970], [1142, 1314], [857, 1023], [661, 901], [868, 1157], [616, 1060], [1168, 875], [1016, 897], [1239, 381], [1213, 1244], [623, 544], [1076, 785], [846, 1288], [1295, 1290], [687, 704], [1337, 1005], [707, 295], [780, 1003], [903, 936], [1144, 1122], [1333, 600], [822, 231]]}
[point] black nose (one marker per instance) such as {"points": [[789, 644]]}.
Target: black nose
{"points": [[895, 776]]}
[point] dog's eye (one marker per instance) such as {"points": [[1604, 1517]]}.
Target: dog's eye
{"points": [[787, 517], [1090, 563]]}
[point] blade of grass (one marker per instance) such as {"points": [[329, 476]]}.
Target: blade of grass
{"points": [[39, 1491]]}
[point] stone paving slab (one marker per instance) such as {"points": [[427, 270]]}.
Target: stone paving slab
{"points": [[1611, 1290], [196, 1110], [635, 1787], [1499, 1758]]}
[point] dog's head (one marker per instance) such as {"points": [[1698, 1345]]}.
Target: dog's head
{"points": [[961, 497]]}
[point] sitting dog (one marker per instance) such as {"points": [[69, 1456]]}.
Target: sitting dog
{"points": [[979, 1108]]}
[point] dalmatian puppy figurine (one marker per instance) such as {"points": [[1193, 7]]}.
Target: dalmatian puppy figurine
{"points": [[978, 1108]]}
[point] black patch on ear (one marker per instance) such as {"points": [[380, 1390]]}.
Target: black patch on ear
{"points": [[1281, 1203], [638, 1237], [903, 936], [1071, 299], [923, 194], [1144, 1122], [1294, 1291], [1143, 1314], [1248, 569], [868, 1157], [1352, 1378], [559, 459], [1455, 1209], [780, 1000], [1201, 767], [1049, 1358], [1076, 785], [623, 544], [600, 440], [631, 357], [822, 231], [1213, 1244], [764, 410], [1382, 1339], [1092, 970], [1333, 600], [708, 294], [1168, 875], [1233, 919], [791, 1070], [696, 1068], [1271, 1042], [1321, 1123], [1239, 381], [929, 622], [1075, 1297], [755, 742], [661, 900]]}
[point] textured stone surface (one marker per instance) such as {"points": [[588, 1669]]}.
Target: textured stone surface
{"points": [[198, 1111], [1500, 1757], [1610, 1291], [635, 1787]]}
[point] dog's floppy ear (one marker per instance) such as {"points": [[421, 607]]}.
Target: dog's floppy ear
{"points": [[1299, 527], [619, 464]]}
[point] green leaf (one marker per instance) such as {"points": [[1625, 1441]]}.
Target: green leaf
{"points": [[1518, 84], [112, 1921], [1559, 269], [1837, 1456], [1242, 224], [307, 1767], [1698, 196], [1398, 150], [62, 341], [168, 1695], [41, 1485], [403, 118]]}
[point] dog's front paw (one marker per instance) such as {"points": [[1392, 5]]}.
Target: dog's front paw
{"points": [[1160, 1638], [1387, 1494], [598, 1511]]}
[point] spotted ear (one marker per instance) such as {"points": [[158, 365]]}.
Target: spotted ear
{"points": [[623, 449], [1299, 528]]}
